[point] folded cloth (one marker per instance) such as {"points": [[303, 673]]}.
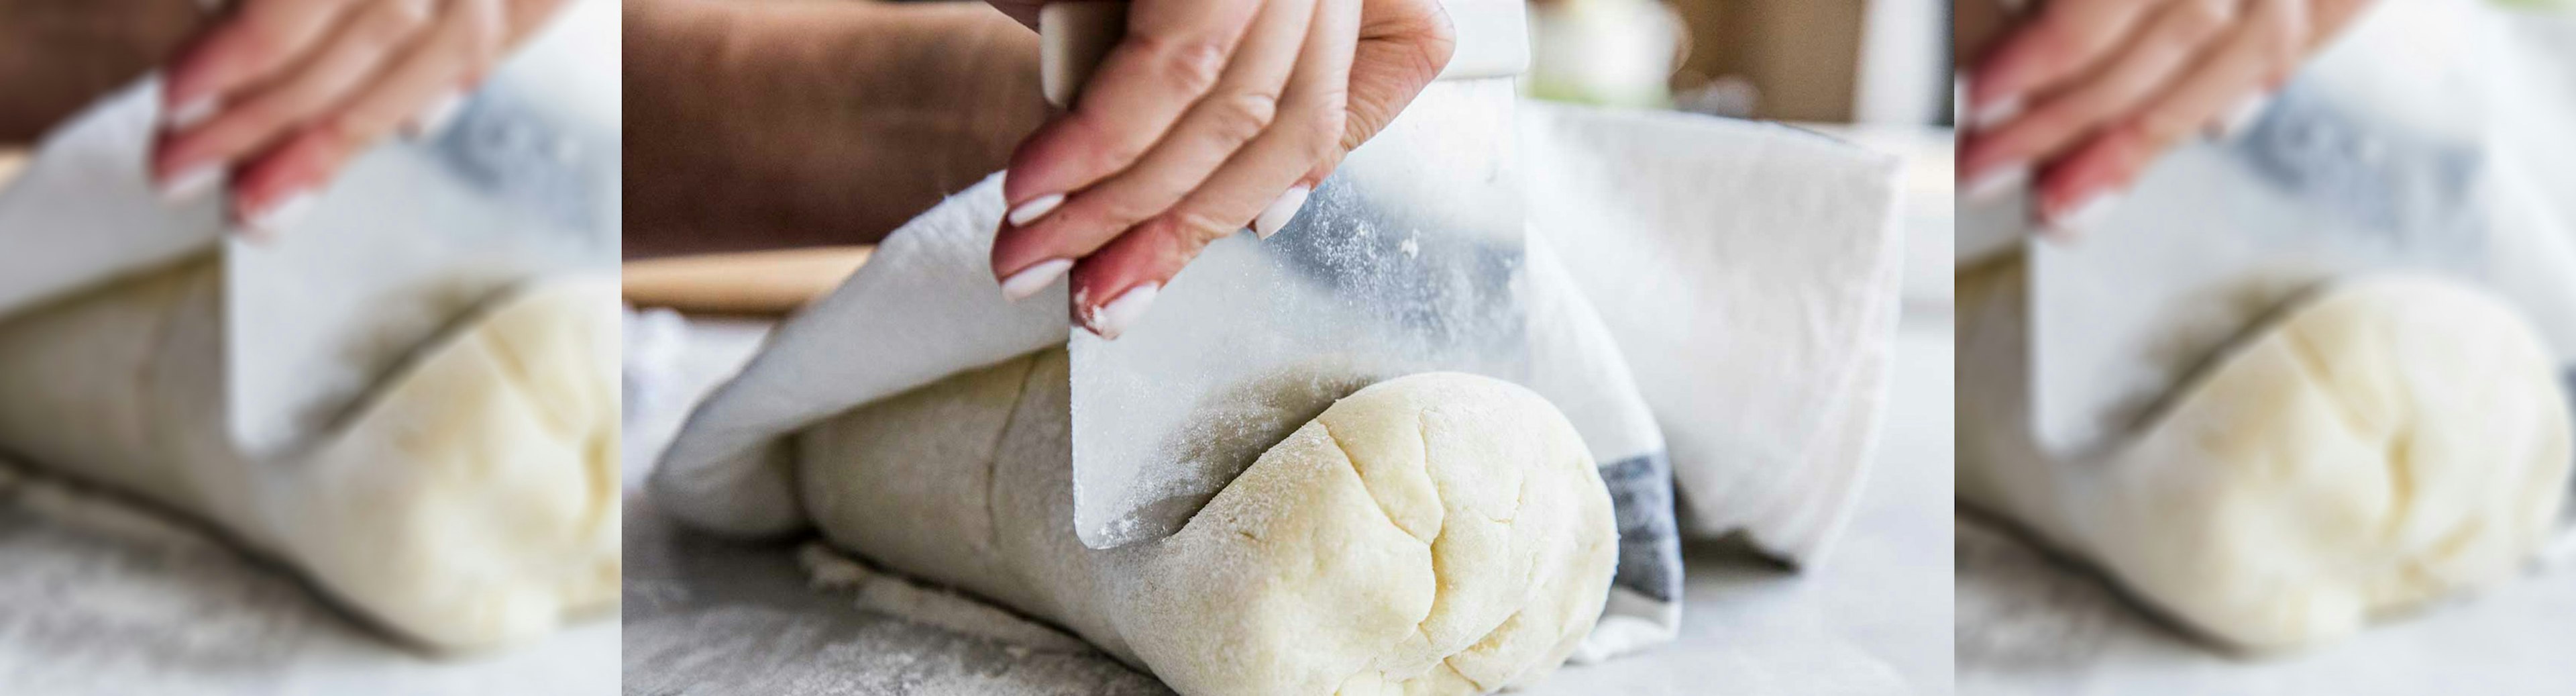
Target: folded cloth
{"points": [[90, 176], [924, 307]]}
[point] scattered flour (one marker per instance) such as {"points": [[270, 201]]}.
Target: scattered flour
{"points": [[895, 596]]}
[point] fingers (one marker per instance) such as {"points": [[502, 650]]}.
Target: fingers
{"points": [[2179, 31], [419, 87], [1113, 286], [1403, 44], [2259, 50], [265, 37], [1239, 108], [1174, 52], [271, 195], [2213, 95], [2067, 40]]}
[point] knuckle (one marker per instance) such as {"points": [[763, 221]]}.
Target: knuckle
{"points": [[1120, 212], [1195, 227], [2202, 18], [1192, 62], [1239, 117], [1119, 148], [477, 32], [354, 126], [259, 44], [267, 112], [394, 20], [1321, 136], [2056, 38], [2165, 125]]}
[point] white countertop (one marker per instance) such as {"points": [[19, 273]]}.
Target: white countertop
{"points": [[102, 595]]}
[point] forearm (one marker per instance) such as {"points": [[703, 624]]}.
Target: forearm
{"points": [[762, 125], [58, 56]]}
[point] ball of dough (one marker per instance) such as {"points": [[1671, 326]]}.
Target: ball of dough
{"points": [[471, 502], [2389, 442], [1437, 533]]}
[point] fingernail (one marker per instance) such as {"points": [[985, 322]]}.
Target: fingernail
{"points": [[2242, 116], [1276, 217], [189, 115], [282, 214], [1997, 182], [188, 184], [1120, 314], [1034, 278], [1034, 209], [436, 117], [1995, 113], [2084, 216]]}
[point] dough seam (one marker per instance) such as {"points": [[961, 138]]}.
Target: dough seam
{"points": [[2312, 364], [1354, 463], [518, 379], [993, 465]]}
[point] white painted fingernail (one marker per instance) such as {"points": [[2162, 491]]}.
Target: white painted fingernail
{"points": [[1122, 313], [2085, 216], [1995, 114], [436, 117], [1034, 278], [188, 185], [283, 214], [2241, 116], [1036, 208], [1277, 216], [1997, 182], [188, 115]]}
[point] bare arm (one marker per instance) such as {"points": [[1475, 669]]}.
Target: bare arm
{"points": [[800, 123]]}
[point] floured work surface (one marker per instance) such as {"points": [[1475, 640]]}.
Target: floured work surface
{"points": [[2033, 624], [706, 614], [101, 595]]}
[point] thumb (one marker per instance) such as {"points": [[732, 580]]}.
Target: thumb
{"points": [[1403, 45]]}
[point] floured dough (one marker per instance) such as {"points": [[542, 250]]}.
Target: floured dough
{"points": [[2388, 442], [1438, 533], [472, 503]]}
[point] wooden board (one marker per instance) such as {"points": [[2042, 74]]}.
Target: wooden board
{"points": [[761, 283]]}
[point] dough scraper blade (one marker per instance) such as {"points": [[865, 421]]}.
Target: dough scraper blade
{"points": [[2220, 236], [1408, 259], [410, 239]]}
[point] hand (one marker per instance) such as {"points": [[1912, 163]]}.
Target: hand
{"points": [[1206, 118], [280, 94], [2090, 92]]}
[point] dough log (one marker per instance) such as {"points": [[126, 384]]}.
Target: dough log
{"points": [[1433, 534], [2385, 443], [473, 503]]}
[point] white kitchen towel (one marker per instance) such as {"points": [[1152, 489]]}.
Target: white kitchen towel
{"points": [[1750, 274], [84, 211], [925, 307]]}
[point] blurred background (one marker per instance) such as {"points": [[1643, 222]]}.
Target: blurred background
{"points": [[57, 55]]}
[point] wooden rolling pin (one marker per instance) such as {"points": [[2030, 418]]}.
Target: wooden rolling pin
{"points": [[758, 283]]}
